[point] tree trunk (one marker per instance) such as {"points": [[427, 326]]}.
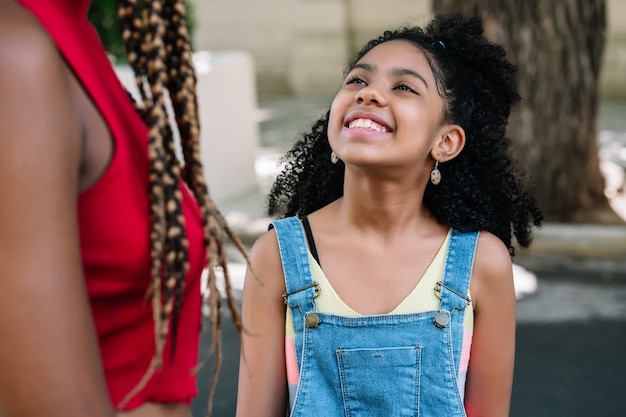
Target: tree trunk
{"points": [[557, 47]]}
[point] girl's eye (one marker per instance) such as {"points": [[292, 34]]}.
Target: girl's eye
{"points": [[355, 80], [404, 87]]}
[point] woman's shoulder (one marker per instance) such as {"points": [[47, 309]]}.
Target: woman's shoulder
{"points": [[26, 48], [32, 70], [37, 109]]}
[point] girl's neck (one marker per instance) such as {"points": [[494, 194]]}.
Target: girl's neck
{"points": [[389, 206]]}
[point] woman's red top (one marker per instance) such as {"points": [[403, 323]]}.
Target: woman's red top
{"points": [[114, 225]]}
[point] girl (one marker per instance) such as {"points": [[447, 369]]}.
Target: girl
{"points": [[387, 288]]}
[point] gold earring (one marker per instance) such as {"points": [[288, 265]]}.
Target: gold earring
{"points": [[435, 174]]}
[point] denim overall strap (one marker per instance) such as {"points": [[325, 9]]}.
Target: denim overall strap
{"points": [[453, 289], [454, 286], [301, 290]]}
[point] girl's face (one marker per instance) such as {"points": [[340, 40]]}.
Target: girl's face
{"points": [[388, 111]]}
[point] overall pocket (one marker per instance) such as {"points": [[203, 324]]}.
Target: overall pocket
{"points": [[380, 381]]}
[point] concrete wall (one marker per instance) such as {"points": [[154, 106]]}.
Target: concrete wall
{"points": [[299, 46], [262, 28], [303, 46]]}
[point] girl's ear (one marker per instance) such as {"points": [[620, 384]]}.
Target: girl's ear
{"points": [[450, 144]]}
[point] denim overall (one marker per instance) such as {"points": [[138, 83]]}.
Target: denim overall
{"points": [[387, 365]]}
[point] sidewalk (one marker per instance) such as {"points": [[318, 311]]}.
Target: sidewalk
{"points": [[556, 247], [577, 248]]}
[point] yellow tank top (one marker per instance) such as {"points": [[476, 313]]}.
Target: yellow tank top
{"points": [[421, 298]]}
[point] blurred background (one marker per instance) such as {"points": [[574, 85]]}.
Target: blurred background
{"points": [[268, 69]]}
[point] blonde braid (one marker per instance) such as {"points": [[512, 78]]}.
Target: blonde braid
{"points": [[158, 47], [184, 101], [133, 34], [168, 242]]}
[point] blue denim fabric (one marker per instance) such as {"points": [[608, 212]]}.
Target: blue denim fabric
{"points": [[378, 365]]}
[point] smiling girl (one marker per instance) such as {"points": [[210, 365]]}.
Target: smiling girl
{"points": [[386, 288]]}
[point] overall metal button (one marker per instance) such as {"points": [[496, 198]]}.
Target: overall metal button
{"points": [[442, 319], [311, 320]]}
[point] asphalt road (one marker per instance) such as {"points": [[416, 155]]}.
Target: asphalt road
{"points": [[570, 360]]}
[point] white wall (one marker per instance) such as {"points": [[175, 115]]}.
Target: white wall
{"points": [[229, 134]]}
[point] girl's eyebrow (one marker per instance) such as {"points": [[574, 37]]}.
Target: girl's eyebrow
{"points": [[396, 72], [365, 66]]}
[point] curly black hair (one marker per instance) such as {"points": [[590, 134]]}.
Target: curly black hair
{"points": [[482, 188]]}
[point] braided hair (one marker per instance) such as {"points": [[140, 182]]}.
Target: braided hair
{"points": [[482, 188], [158, 49]]}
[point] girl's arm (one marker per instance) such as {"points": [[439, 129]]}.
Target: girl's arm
{"points": [[49, 357], [262, 374], [490, 373]]}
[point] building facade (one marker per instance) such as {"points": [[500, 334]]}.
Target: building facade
{"points": [[303, 46]]}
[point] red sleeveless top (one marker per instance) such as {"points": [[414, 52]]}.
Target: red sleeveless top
{"points": [[114, 225]]}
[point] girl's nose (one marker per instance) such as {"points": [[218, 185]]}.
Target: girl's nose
{"points": [[371, 95]]}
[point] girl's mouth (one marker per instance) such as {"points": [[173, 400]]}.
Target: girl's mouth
{"points": [[366, 124]]}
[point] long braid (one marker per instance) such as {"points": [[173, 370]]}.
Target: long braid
{"points": [[168, 241], [159, 52], [181, 83], [133, 34], [184, 102]]}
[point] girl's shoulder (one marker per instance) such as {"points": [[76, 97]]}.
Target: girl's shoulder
{"points": [[491, 252], [265, 246], [265, 262], [493, 268]]}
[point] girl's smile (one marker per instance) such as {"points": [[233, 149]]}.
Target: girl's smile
{"points": [[366, 123]]}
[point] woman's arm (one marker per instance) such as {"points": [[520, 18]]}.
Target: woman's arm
{"points": [[262, 374], [490, 373], [49, 358]]}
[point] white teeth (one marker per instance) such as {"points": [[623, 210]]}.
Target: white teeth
{"points": [[366, 124]]}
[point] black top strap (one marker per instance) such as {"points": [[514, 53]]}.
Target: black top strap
{"points": [[309, 238]]}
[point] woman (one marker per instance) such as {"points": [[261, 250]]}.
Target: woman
{"points": [[104, 233]]}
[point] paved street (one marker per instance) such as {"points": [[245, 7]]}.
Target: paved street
{"points": [[571, 332]]}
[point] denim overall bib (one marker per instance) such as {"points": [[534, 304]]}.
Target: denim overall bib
{"points": [[388, 365]]}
